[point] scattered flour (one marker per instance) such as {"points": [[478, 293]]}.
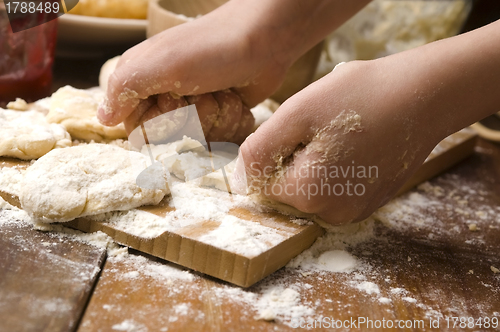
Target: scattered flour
{"points": [[242, 236], [409, 299], [368, 287], [337, 261], [329, 253], [283, 303], [130, 325]]}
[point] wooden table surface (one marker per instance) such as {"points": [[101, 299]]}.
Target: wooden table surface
{"points": [[427, 265], [422, 269]]}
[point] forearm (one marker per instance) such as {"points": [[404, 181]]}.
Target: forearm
{"points": [[288, 27], [455, 82]]}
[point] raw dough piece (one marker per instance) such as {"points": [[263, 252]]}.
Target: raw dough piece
{"points": [[76, 110], [263, 111], [106, 70], [27, 135], [192, 162], [85, 180], [18, 105]]}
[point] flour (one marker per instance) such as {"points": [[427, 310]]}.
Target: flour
{"points": [[130, 325], [415, 209], [242, 236], [11, 215], [337, 261], [368, 287], [283, 303], [329, 252], [232, 233], [11, 180], [409, 299], [325, 143]]}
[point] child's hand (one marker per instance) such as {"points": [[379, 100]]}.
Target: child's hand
{"points": [[346, 143], [245, 46], [223, 72]]}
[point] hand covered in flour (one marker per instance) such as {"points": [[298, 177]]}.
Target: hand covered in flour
{"points": [[224, 62], [343, 146], [338, 148], [202, 62]]}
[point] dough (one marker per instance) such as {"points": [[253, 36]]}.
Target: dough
{"points": [[106, 70], [85, 180], [76, 110], [188, 160], [27, 135], [18, 105]]}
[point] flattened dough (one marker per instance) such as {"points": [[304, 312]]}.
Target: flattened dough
{"points": [[76, 110], [27, 135], [85, 180]]}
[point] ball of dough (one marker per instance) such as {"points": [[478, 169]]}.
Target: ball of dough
{"points": [[76, 110], [85, 180], [27, 135]]}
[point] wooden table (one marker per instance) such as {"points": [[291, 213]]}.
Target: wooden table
{"points": [[422, 270], [51, 285]]}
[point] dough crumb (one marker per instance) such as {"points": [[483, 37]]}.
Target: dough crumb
{"points": [[494, 269], [267, 315], [473, 228], [18, 105]]}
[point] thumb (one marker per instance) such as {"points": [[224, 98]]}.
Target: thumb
{"points": [[271, 147]]}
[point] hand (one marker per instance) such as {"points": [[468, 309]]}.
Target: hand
{"points": [[341, 147], [242, 51], [222, 72]]}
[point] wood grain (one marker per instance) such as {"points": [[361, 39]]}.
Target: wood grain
{"points": [[435, 282], [45, 281], [183, 247]]}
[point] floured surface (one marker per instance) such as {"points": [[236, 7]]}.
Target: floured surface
{"points": [[421, 262], [27, 135], [399, 272], [231, 237], [45, 279]]}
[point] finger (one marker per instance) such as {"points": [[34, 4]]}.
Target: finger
{"points": [[274, 143], [207, 108], [183, 70], [228, 117], [306, 185], [166, 125], [135, 79], [246, 125], [132, 121]]}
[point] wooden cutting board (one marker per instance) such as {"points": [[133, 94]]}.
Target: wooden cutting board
{"points": [[183, 247]]}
